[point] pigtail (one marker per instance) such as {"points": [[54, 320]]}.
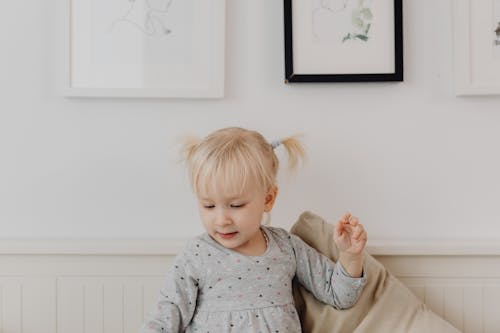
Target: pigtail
{"points": [[295, 151], [188, 147]]}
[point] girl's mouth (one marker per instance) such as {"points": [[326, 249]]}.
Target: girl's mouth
{"points": [[228, 235]]}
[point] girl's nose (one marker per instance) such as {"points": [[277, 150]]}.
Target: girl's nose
{"points": [[223, 218]]}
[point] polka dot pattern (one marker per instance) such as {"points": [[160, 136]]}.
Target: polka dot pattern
{"points": [[214, 289]]}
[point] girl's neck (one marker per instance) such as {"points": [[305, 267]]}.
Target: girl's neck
{"points": [[257, 247]]}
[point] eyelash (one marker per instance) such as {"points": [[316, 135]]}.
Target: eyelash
{"points": [[232, 206], [237, 206]]}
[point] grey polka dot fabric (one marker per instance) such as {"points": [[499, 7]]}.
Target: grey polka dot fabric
{"points": [[213, 289]]}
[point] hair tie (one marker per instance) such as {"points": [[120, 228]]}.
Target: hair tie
{"points": [[275, 143]]}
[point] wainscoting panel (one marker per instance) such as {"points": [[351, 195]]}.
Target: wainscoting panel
{"points": [[105, 304], [109, 287], [27, 304], [471, 305]]}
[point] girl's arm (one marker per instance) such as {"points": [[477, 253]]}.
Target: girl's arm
{"points": [[326, 280], [177, 300]]}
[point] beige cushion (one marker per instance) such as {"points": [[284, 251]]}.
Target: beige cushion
{"points": [[385, 306]]}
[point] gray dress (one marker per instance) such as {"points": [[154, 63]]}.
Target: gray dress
{"points": [[214, 289]]}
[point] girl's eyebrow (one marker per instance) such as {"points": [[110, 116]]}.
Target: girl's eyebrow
{"points": [[235, 197]]}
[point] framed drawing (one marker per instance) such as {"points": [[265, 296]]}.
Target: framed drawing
{"points": [[476, 29], [343, 40], [143, 48]]}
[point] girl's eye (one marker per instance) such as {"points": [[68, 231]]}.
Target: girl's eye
{"points": [[209, 206], [237, 206]]}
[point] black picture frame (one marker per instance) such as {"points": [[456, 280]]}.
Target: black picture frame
{"points": [[291, 76]]}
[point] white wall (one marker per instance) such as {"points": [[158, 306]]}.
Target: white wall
{"points": [[410, 159]]}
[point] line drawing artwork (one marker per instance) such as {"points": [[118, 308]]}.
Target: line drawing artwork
{"points": [[497, 34], [496, 28], [148, 16], [342, 20]]}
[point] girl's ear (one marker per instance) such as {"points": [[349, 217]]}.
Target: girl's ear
{"points": [[271, 195]]}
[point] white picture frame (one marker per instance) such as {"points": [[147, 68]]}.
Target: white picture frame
{"points": [[475, 51], [143, 48]]}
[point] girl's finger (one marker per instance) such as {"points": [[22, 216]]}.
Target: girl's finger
{"points": [[339, 228], [361, 236], [358, 230], [354, 221], [343, 221], [346, 217], [347, 229]]}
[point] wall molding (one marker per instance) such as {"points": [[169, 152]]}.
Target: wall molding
{"points": [[172, 247]]}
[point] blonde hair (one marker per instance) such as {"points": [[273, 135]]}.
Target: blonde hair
{"points": [[230, 158]]}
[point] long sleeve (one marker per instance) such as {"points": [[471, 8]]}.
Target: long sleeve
{"points": [[325, 279], [177, 299]]}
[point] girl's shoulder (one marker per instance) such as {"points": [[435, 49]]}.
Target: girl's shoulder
{"points": [[285, 237], [193, 248], [202, 242], [276, 230], [279, 234], [201, 247]]}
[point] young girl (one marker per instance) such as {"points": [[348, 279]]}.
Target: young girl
{"points": [[237, 277]]}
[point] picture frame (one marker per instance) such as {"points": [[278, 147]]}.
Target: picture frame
{"points": [[142, 48], [343, 40], [476, 47]]}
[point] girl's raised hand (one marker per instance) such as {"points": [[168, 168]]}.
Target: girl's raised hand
{"points": [[349, 235]]}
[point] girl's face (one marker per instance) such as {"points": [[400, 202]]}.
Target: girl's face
{"points": [[234, 220]]}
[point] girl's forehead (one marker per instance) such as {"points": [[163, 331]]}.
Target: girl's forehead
{"points": [[221, 197], [227, 190]]}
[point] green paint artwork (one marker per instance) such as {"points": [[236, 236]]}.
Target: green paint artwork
{"points": [[342, 20], [361, 21]]}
